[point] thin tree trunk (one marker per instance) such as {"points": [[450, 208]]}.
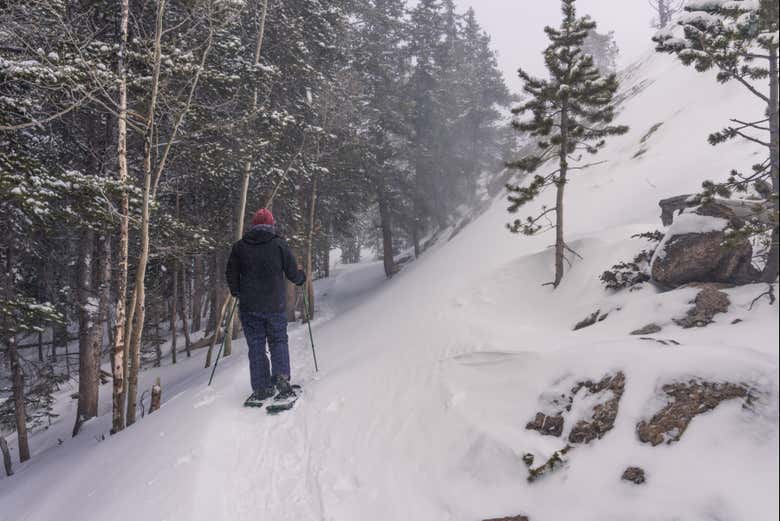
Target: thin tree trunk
{"points": [[196, 303], [138, 306], [773, 260], [560, 188], [174, 306], [387, 236], [9, 471], [292, 300], [156, 398], [119, 346], [17, 379], [183, 310], [309, 248]]}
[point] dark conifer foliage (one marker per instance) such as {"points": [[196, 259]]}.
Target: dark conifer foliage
{"points": [[739, 40], [360, 123], [570, 114]]}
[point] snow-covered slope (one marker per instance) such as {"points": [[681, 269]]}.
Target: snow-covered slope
{"points": [[428, 380]]}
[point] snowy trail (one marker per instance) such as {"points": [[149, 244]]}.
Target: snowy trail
{"points": [[427, 380]]}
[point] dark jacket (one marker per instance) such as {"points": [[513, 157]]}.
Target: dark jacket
{"points": [[256, 270]]}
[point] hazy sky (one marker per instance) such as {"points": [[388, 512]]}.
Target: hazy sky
{"points": [[516, 28]]}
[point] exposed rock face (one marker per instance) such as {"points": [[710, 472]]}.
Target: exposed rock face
{"points": [[556, 461], [604, 413], [649, 329], [596, 316], [547, 425], [687, 400], [602, 419], [708, 303], [514, 518], [634, 474], [686, 257]]}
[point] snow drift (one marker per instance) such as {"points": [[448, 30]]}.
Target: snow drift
{"points": [[429, 379]]}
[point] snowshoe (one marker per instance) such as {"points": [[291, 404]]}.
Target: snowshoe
{"points": [[285, 399], [258, 398]]}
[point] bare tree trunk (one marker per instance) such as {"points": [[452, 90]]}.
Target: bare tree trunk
{"points": [[89, 335], [175, 292], [387, 236], [138, 307], [309, 248], [196, 302], [174, 306], [183, 309], [17, 383], [9, 471], [291, 301], [560, 244], [119, 347], [212, 322], [154, 404], [773, 260]]}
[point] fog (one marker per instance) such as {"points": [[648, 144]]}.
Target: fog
{"points": [[516, 28]]}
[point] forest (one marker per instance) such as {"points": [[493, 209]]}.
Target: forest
{"points": [[456, 234]]}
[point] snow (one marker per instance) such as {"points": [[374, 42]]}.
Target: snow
{"points": [[427, 381], [689, 223]]}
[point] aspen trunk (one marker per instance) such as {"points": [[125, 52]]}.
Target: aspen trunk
{"points": [[138, 306], [119, 347], [9, 471]]}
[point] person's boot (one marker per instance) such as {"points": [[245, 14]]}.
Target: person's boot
{"points": [[284, 388], [258, 397]]}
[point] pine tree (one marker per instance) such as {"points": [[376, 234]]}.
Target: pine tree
{"points": [[570, 113], [740, 40]]}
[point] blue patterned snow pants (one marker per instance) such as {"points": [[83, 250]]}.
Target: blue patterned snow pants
{"points": [[259, 327]]}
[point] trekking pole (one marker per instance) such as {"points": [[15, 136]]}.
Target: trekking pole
{"points": [[308, 322], [228, 320]]}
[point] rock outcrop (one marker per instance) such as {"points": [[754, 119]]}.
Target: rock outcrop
{"points": [[687, 399], [699, 248], [709, 302]]}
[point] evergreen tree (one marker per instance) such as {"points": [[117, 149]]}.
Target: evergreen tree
{"points": [[570, 112], [740, 40]]}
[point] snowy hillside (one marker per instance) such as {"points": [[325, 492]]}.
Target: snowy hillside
{"points": [[419, 412]]}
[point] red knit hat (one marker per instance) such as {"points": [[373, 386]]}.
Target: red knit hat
{"points": [[263, 216]]}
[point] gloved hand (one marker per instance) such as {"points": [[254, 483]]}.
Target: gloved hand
{"points": [[302, 277]]}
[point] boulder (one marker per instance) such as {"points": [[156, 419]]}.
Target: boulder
{"points": [[635, 475], [709, 302], [604, 413], [548, 425], [649, 329], [696, 248]]}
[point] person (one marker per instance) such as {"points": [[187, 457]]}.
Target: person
{"points": [[256, 272]]}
